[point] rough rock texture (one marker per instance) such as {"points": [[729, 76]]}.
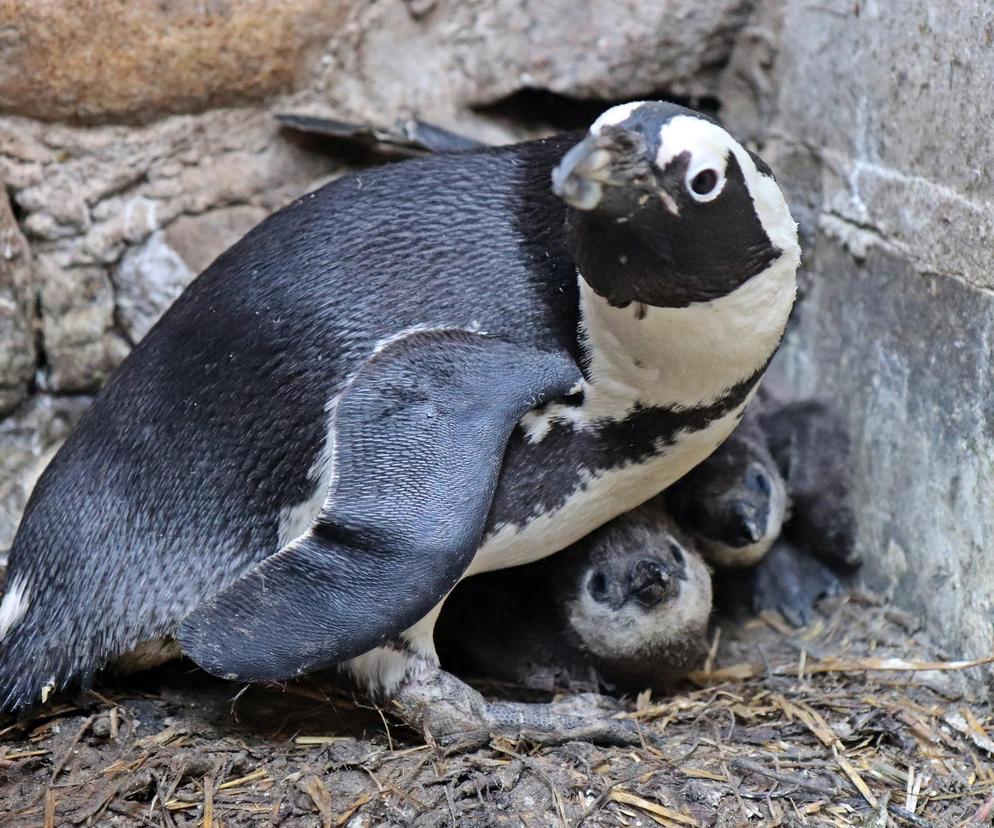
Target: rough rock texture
{"points": [[113, 214], [77, 313], [877, 118], [198, 240], [95, 60], [440, 59], [17, 349]]}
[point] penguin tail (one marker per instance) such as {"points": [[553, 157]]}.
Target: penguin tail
{"points": [[35, 658]]}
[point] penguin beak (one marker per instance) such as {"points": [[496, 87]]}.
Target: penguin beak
{"points": [[649, 583], [750, 524], [614, 157]]}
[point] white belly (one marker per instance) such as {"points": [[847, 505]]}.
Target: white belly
{"points": [[598, 498]]}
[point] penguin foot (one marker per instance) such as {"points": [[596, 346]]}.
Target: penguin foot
{"points": [[456, 716], [791, 581]]}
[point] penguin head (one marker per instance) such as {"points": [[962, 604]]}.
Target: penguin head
{"points": [[734, 503], [644, 576], [666, 208], [634, 588]]}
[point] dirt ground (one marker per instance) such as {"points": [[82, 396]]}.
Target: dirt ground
{"points": [[782, 727]]}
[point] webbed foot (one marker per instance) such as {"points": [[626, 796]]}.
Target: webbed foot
{"points": [[455, 715]]}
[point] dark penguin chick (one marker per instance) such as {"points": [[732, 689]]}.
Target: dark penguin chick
{"points": [[735, 502], [360, 403], [788, 580], [624, 609], [810, 442]]}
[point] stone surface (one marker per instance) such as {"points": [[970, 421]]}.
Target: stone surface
{"points": [[909, 355], [103, 207], [17, 349], [456, 55], [77, 312], [93, 60], [86, 194], [877, 120], [198, 240], [147, 281]]}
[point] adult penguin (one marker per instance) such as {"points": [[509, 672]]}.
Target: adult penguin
{"points": [[423, 371]]}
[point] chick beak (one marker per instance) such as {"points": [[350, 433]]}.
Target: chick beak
{"points": [[614, 157], [649, 583], [749, 524]]}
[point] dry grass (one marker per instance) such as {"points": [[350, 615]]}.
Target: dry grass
{"points": [[855, 720]]}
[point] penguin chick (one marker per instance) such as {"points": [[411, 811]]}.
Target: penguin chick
{"points": [[736, 502], [809, 441], [638, 600], [625, 608], [788, 580]]}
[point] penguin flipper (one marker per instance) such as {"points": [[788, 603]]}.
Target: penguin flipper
{"points": [[420, 435], [412, 137]]}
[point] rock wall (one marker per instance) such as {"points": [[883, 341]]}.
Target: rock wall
{"points": [[95, 62], [132, 158], [877, 117]]}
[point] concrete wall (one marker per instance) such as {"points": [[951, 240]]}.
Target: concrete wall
{"points": [[876, 116], [879, 118]]}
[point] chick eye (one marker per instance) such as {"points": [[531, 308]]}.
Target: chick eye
{"points": [[758, 481], [705, 183], [597, 586], [676, 552]]}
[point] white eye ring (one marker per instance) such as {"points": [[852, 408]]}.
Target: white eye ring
{"points": [[705, 182]]}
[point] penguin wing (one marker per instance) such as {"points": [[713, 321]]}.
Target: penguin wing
{"points": [[409, 137], [420, 435]]}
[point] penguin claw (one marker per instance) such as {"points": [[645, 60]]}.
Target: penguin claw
{"points": [[456, 717]]}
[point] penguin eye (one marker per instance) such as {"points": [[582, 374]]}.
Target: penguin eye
{"points": [[705, 184], [676, 552], [597, 586], [758, 481]]}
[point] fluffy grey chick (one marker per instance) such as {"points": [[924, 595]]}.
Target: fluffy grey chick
{"points": [[625, 608], [736, 502]]}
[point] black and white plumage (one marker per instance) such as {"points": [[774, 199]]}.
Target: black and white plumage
{"points": [[399, 379], [627, 607], [582, 618]]}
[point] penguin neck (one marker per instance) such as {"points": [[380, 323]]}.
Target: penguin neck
{"points": [[690, 356]]}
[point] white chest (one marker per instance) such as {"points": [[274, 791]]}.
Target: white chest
{"points": [[599, 497], [672, 358]]}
